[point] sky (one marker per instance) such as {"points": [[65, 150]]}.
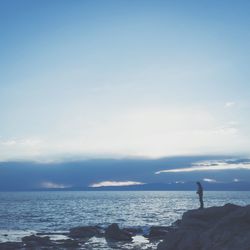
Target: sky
{"points": [[123, 78]]}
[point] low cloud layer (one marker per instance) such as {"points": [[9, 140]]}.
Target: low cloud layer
{"points": [[116, 184], [211, 166], [209, 180], [49, 184]]}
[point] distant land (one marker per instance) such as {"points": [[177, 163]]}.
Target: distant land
{"points": [[170, 173]]}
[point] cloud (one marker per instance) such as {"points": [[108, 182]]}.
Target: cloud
{"points": [[48, 184], [236, 180], [162, 132], [210, 166], [20, 148], [115, 184], [209, 180], [229, 104], [29, 142], [151, 132], [233, 123], [9, 142], [226, 130]]}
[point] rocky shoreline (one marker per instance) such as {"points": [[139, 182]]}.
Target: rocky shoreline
{"points": [[217, 228], [77, 237], [214, 228]]}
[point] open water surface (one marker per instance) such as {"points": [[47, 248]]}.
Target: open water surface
{"points": [[24, 212]]}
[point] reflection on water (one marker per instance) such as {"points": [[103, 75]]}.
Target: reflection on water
{"points": [[60, 211]]}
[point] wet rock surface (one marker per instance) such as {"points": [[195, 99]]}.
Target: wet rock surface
{"points": [[217, 228], [68, 243], [133, 231], [85, 237], [85, 232], [11, 245], [34, 241], [158, 232], [113, 232]]}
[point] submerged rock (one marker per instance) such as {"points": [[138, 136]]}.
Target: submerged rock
{"points": [[217, 228], [113, 232]]}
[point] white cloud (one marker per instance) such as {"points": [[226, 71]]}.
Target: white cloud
{"points": [[116, 183], [20, 148], [151, 132], [236, 180], [48, 184], [158, 132], [179, 182], [9, 142], [229, 104], [226, 130], [209, 180], [208, 166], [233, 123], [30, 142]]}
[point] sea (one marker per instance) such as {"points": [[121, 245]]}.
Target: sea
{"points": [[48, 212]]}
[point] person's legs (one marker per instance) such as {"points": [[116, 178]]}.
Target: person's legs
{"points": [[201, 202]]}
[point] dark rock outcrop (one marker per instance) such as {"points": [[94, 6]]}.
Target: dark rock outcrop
{"points": [[217, 228], [113, 232], [84, 232], [34, 241], [11, 245], [157, 232], [68, 243], [133, 230]]}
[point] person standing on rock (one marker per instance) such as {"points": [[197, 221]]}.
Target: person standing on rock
{"points": [[200, 193]]}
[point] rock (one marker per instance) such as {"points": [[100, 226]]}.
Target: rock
{"points": [[11, 245], [51, 233], [84, 232], [133, 230], [158, 232], [68, 243], [35, 241], [205, 218], [180, 240], [113, 232], [176, 224], [217, 228]]}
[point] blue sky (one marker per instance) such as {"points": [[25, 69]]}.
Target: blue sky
{"points": [[123, 78]]}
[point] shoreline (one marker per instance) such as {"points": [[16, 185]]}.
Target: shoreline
{"points": [[222, 227], [83, 237]]}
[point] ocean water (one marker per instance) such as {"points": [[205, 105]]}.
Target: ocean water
{"points": [[24, 212]]}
